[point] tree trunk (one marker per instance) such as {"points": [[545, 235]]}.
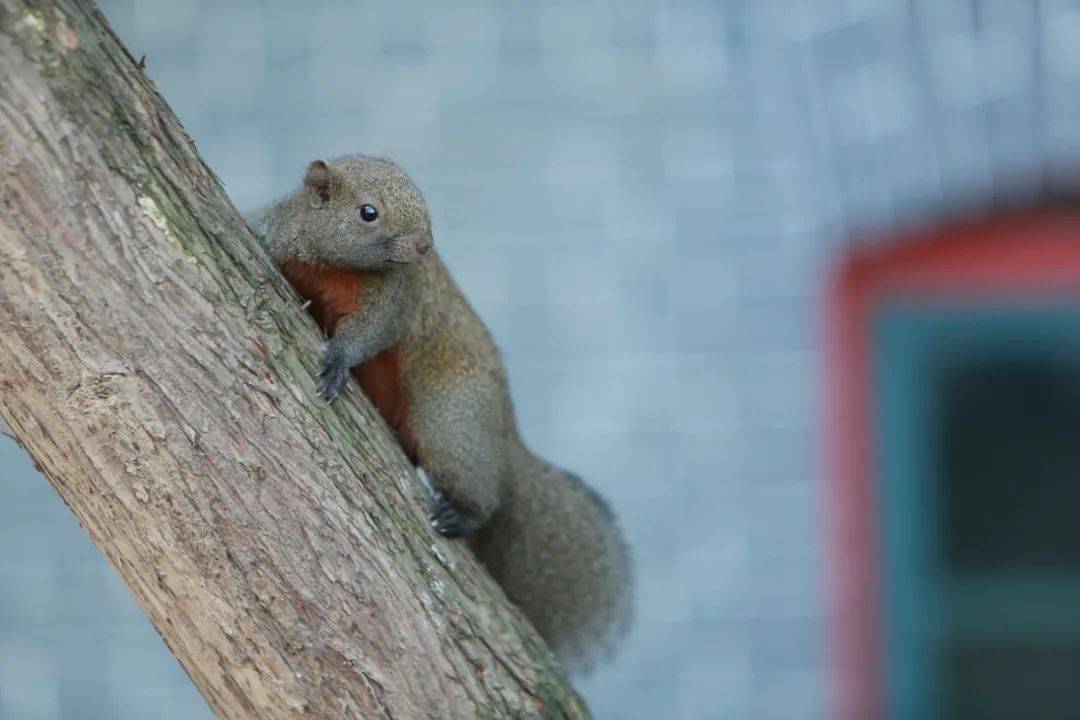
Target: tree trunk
{"points": [[160, 372]]}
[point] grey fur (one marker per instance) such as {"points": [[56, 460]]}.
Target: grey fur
{"points": [[548, 539], [321, 224]]}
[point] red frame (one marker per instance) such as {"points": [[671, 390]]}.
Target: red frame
{"points": [[1013, 254]]}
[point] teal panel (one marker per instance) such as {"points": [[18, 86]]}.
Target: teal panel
{"points": [[911, 342]]}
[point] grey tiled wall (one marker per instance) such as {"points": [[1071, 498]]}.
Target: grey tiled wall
{"points": [[641, 199]]}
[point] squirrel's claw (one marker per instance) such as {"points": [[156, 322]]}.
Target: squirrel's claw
{"points": [[447, 520], [333, 374]]}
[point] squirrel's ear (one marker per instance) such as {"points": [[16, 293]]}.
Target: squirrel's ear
{"points": [[317, 179]]}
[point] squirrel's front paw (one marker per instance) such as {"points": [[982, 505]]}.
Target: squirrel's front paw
{"points": [[333, 374], [448, 521]]}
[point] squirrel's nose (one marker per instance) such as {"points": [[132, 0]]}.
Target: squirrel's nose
{"points": [[423, 243]]}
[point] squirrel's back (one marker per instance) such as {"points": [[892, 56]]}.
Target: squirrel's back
{"points": [[553, 544]]}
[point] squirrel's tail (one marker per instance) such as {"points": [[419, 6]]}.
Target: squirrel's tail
{"points": [[555, 548]]}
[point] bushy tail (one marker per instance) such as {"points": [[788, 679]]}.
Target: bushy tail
{"points": [[556, 549]]}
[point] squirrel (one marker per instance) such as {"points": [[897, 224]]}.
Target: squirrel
{"points": [[355, 240]]}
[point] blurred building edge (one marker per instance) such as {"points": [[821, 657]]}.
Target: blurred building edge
{"points": [[953, 475]]}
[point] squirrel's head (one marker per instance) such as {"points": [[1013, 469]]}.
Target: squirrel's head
{"points": [[362, 213]]}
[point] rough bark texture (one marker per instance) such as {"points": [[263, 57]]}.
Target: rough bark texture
{"points": [[160, 372]]}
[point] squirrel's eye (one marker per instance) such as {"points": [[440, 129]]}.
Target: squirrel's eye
{"points": [[368, 213]]}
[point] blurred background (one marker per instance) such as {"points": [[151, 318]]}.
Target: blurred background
{"points": [[644, 201]]}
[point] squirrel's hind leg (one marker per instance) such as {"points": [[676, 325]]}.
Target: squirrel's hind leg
{"points": [[462, 453]]}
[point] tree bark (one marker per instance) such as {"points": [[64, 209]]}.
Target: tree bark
{"points": [[160, 372]]}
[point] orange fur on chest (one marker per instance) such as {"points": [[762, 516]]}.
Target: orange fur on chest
{"points": [[334, 295]]}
